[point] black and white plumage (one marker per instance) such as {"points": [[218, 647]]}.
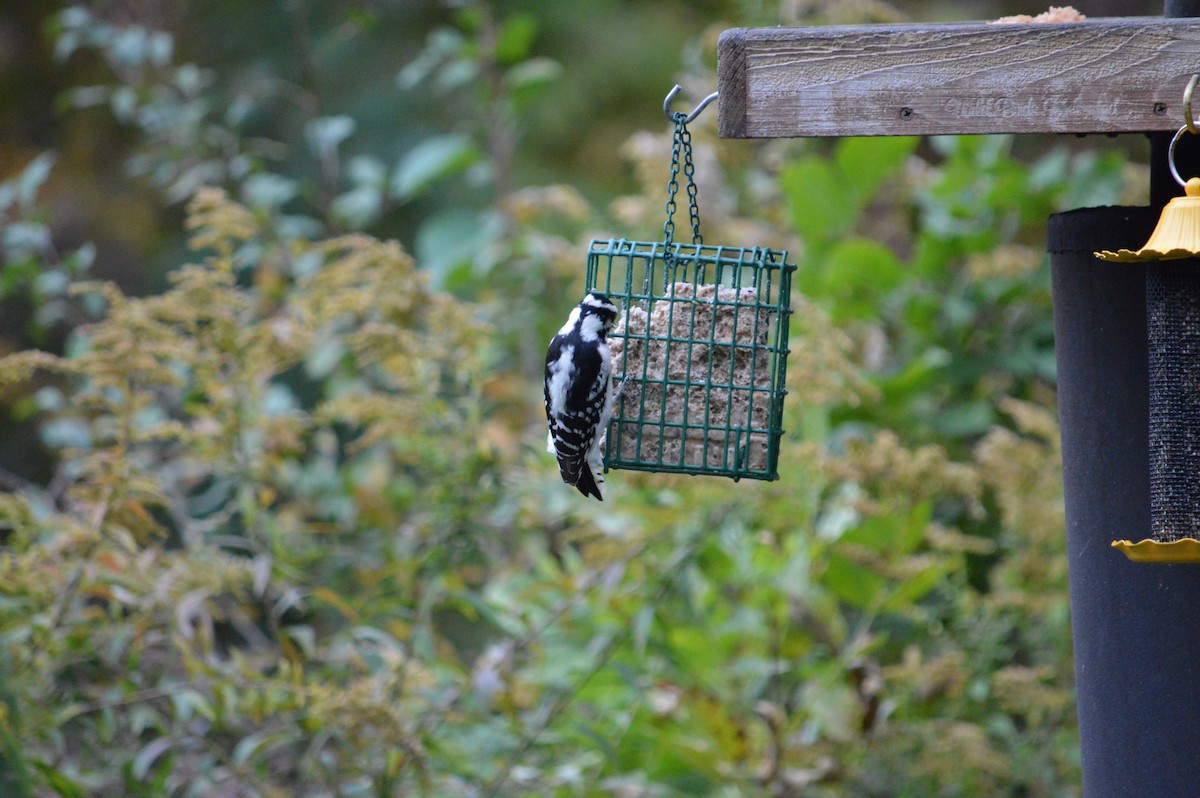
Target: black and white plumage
{"points": [[579, 392]]}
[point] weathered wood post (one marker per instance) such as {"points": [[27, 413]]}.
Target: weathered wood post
{"points": [[1136, 627]]}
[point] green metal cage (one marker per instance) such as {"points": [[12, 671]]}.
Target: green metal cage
{"points": [[700, 353]]}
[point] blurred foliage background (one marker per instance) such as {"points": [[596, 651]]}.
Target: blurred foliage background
{"points": [[276, 281]]}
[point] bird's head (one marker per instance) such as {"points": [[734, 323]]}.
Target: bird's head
{"points": [[600, 306]]}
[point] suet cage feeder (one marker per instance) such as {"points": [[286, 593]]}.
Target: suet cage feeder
{"points": [[700, 354], [701, 348]]}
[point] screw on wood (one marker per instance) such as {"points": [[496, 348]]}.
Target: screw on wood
{"points": [[906, 113], [1160, 109]]}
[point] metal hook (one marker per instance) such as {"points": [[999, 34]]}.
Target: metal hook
{"points": [[1171, 155], [1187, 105], [695, 112]]}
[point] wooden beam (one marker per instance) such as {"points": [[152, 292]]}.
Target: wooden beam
{"points": [[1116, 75]]}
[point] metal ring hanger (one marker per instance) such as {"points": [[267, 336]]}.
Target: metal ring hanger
{"points": [[1189, 127]]}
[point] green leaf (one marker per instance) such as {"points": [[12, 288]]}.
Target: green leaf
{"points": [[32, 178], [304, 637], [268, 190], [58, 782], [368, 170], [643, 622], [965, 420], [892, 535], [457, 73], [25, 240], [358, 207], [826, 198], [146, 758], [442, 44], [529, 80], [503, 622], [918, 374], [469, 18], [534, 72], [852, 582], [130, 46], [915, 587], [912, 531], [327, 133], [430, 161], [247, 747], [857, 274], [821, 208], [188, 703], [865, 163], [830, 702], [1095, 180], [79, 261], [515, 38], [1050, 170], [364, 19], [451, 243]]}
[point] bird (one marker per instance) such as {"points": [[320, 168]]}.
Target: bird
{"points": [[579, 392]]}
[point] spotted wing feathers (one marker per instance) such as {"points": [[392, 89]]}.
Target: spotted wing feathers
{"points": [[577, 381]]}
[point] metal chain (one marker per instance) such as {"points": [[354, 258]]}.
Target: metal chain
{"points": [[689, 171], [681, 142], [672, 187]]}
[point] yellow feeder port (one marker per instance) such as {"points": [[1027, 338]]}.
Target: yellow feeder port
{"points": [[1177, 234]]}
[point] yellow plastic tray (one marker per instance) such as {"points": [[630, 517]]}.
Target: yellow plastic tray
{"points": [[1183, 550]]}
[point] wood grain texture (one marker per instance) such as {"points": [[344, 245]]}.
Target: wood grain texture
{"points": [[1116, 75]]}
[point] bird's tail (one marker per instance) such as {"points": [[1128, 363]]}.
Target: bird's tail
{"points": [[586, 484]]}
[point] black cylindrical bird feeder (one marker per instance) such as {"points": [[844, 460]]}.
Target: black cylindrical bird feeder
{"points": [[1173, 324], [1172, 279], [1136, 629]]}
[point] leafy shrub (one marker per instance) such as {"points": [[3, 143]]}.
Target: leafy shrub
{"points": [[222, 444], [301, 538]]}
